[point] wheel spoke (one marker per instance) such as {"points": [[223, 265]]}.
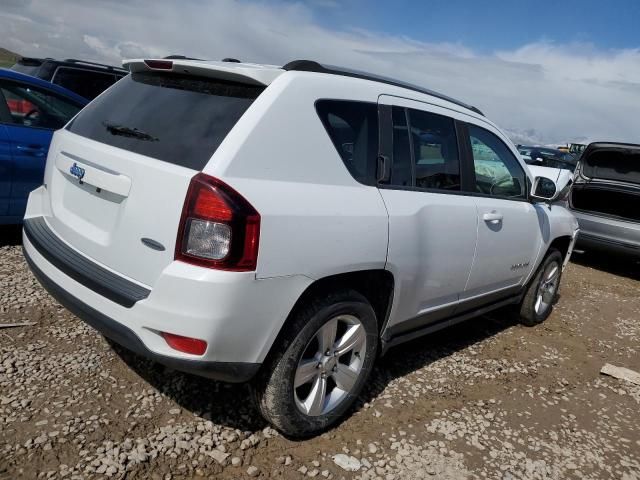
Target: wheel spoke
{"points": [[307, 370], [538, 304], [327, 335], [552, 274], [321, 382], [352, 339], [345, 377], [315, 401]]}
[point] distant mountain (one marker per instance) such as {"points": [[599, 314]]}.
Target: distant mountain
{"points": [[533, 137], [7, 57]]}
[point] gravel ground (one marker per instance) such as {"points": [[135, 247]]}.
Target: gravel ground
{"points": [[485, 399]]}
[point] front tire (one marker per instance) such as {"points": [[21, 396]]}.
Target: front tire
{"points": [[320, 365], [542, 291]]}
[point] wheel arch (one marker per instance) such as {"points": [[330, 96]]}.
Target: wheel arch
{"points": [[561, 244], [377, 286]]}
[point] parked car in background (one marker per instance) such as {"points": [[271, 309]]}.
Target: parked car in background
{"points": [[605, 197], [30, 111], [87, 79], [295, 223], [547, 157], [576, 149]]}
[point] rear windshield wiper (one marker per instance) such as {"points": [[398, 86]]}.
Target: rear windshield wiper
{"points": [[115, 129]]}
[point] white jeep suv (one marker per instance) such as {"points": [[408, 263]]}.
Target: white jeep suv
{"points": [[288, 225]]}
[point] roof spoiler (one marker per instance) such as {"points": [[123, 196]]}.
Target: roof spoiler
{"points": [[230, 71]]}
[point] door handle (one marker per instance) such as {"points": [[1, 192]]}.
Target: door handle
{"points": [[493, 217], [34, 150]]}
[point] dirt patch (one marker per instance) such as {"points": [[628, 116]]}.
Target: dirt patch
{"points": [[485, 399]]}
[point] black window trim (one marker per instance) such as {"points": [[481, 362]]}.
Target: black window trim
{"points": [[4, 81], [412, 152]]}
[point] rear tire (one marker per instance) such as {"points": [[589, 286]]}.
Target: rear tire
{"points": [[319, 366], [542, 292]]}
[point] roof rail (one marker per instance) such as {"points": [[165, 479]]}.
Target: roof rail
{"points": [[312, 66], [93, 64]]}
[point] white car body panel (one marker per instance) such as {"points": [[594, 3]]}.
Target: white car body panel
{"points": [[315, 228], [427, 275], [316, 221], [108, 228], [514, 240]]}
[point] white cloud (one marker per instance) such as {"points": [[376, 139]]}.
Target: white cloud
{"points": [[544, 91]]}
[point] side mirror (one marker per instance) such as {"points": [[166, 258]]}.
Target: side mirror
{"points": [[544, 189]]}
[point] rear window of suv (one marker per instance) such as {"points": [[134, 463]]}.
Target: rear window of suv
{"points": [[178, 119], [86, 83]]}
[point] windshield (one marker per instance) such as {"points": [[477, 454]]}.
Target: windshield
{"points": [[548, 157], [26, 69], [178, 119]]}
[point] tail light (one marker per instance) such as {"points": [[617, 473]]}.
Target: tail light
{"points": [[218, 228]]}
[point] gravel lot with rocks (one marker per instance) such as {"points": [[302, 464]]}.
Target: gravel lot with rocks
{"points": [[485, 399]]}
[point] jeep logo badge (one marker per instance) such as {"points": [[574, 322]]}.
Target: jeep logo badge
{"points": [[77, 171]]}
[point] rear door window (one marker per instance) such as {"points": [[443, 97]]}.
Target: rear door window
{"points": [[178, 119], [425, 147], [353, 128], [435, 149]]}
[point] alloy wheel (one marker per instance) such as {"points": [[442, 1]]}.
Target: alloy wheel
{"points": [[330, 365], [547, 288]]}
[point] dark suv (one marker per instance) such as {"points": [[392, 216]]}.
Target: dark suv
{"points": [[87, 79]]}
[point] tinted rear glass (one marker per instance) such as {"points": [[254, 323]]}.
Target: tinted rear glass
{"points": [[353, 128], [86, 83], [174, 118]]}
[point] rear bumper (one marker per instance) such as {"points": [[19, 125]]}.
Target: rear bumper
{"points": [[609, 234], [223, 371], [237, 315], [595, 242]]}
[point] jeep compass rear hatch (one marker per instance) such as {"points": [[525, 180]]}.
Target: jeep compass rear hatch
{"points": [[609, 182], [117, 178]]}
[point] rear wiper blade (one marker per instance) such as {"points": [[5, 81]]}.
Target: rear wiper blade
{"points": [[115, 129]]}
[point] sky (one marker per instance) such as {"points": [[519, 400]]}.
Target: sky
{"points": [[547, 72]]}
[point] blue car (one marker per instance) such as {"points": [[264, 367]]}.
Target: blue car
{"points": [[30, 111]]}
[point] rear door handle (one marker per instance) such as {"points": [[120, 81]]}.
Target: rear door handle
{"points": [[493, 217]]}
